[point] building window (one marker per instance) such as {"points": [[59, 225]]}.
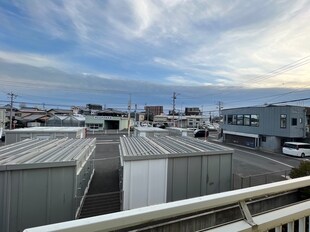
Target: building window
{"points": [[94, 126], [247, 119], [283, 121], [234, 120], [294, 121], [230, 119], [254, 120], [240, 119], [263, 138]]}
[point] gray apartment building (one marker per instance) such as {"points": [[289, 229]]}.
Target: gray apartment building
{"points": [[266, 127]]}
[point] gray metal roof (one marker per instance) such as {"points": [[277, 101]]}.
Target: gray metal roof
{"points": [[37, 153], [150, 129], [46, 129], [137, 148]]}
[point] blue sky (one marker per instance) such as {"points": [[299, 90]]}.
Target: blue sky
{"points": [[75, 52]]}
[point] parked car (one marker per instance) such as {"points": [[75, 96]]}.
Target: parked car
{"points": [[201, 133], [210, 127], [296, 149]]}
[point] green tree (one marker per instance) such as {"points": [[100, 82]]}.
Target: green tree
{"points": [[302, 170]]}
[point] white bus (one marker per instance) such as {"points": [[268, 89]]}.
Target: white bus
{"points": [[296, 149]]}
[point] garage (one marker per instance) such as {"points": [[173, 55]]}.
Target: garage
{"points": [[242, 139], [111, 124]]}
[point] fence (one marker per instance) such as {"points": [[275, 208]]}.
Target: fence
{"points": [[240, 182]]}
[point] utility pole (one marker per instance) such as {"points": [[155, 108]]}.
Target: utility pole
{"points": [[220, 107], [12, 97], [129, 108], [173, 106], [135, 115]]}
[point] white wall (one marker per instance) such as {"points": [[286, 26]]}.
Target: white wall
{"points": [[2, 118], [144, 183]]}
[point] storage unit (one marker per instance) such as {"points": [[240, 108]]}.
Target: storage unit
{"points": [[13, 136], [43, 181], [180, 131], [150, 131], [162, 169]]}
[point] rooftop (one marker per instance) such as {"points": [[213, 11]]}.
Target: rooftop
{"points": [[134, 148], [150, 129], [36, 153], [45, 129]]}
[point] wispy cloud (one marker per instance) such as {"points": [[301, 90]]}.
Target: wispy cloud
{"points": [[31, 59], [177, 43]]}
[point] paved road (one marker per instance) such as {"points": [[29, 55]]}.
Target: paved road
{"points": [[107, 163]]}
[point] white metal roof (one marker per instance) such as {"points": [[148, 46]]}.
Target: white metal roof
{"points": [[134, 148], [36, 153], [45, 129]]}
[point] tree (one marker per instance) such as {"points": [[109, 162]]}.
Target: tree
{"points": [[302, 170]]}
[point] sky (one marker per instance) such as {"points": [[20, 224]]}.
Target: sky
{"points": [[59, 53]]}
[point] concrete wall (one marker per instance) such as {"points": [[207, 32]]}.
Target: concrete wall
{"points": [[272, 143]]}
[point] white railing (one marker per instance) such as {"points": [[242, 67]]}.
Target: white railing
{"points": [[264, 222]]}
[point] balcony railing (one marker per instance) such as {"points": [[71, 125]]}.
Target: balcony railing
{"points": [[289, 216]]}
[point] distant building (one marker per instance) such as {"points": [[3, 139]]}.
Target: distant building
{"points": [[192, 111], [60, 112], [100, 123], [154, 110], [195, 121], [2, 118], [266, 127], [94, 107]]}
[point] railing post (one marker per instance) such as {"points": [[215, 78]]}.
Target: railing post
{"points": [[278, 229], [290, 227], [302, 225]]}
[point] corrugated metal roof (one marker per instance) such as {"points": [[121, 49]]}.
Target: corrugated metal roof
{"points": [[46, 129], [36, 152], [150, 129], [133, 148]]}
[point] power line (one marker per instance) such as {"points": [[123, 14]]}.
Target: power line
{"points": [[295, 100], [296, 64]]}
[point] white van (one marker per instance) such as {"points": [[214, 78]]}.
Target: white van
{"points": [[296, 149]]}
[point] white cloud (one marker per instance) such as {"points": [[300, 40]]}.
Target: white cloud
{"points": [[31, 59], [218, 42]]}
